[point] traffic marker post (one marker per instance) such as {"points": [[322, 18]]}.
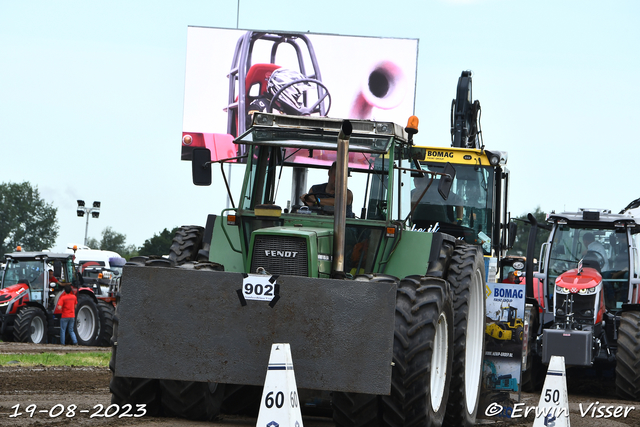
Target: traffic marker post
{"points": [[280, 405], [553, 408]]}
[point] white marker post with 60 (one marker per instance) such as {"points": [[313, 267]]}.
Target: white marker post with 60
{"points": [[280, 406]]}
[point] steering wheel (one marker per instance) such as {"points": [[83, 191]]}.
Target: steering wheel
{"points": [[324, 99], [324, 210], [597, 256]]}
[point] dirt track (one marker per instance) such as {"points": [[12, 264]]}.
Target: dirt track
{"points": [[88, 387]]}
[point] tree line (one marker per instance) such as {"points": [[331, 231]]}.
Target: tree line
{"points": [[27, 220]]}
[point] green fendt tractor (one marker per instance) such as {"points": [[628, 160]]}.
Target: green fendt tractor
{"points": [[365, 302]]}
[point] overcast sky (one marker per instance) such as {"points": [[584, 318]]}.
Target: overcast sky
{"points": [[91, 96]]}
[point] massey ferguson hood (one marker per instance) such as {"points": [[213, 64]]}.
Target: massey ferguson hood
{"points": [[12, 293], [576, 279]]}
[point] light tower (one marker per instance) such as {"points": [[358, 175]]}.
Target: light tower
{"points": [[94, 211]]}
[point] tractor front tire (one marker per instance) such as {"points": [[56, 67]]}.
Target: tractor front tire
{"points": [[421, 373], [466, 277], [186, 244], [628, 357], [105, 313], [87, 325], [30, 325]]}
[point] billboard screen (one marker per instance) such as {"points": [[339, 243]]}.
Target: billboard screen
{"points": [[230, 74]]}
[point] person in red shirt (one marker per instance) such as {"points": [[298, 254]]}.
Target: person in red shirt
{"points": [[67, 304], [53, 281]]}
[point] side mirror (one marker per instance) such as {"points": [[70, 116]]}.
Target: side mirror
{"points": [[57, 268], [201, 166], [513, 231], [444, 188], [79, 280]]}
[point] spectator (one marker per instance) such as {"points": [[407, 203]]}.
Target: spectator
{"points": [[67, 304]]}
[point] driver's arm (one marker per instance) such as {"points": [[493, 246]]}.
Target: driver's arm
{"points": [[331, 201], [311, 200]]}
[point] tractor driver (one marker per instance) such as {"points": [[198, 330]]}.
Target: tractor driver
{"points": [[592, 245], [53, 281], [324, 194], [52, 278]]}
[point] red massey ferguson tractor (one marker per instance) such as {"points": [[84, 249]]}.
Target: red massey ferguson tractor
{"points": [[587, 296], [28, 300]]}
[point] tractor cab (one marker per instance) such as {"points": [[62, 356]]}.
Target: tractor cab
{"points": [[589, 274], [30, 271], [604, 246], [285, 215]]}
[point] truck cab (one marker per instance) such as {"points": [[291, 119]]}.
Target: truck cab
{"points": [[476, 210]]}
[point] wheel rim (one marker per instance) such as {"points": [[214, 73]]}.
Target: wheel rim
{"points": [[474, 341], [85, 323], [439, 363], [37, 329]]}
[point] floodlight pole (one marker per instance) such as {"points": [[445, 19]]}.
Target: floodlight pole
{"points": [[86, 229], [83, 210]]}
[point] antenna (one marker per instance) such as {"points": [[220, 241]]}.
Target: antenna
{"points": [[238, 16]]}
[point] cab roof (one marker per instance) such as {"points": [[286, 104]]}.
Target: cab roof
{"points": [[321, 133], [41, 255], [594, 218]]}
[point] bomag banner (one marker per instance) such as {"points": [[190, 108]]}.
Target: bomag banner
{"points": [[504, 336], [231, 74]]}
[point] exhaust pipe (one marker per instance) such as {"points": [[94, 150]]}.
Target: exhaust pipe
{"points": [[385, 88], [340, 209]]}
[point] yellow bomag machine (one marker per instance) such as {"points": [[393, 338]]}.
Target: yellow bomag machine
{"points": [[476, 210], [508, 326]]}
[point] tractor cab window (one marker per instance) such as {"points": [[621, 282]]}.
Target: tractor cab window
{"points": [[466, 213], [279, 176], [29, 272], [607, 248]]}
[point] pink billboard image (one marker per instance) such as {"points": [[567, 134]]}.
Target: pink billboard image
{"points": [[231, 74]]}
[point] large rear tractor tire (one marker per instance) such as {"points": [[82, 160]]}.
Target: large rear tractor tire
{"points": [[197, 401], [466, 277], [628, 357], [421, 374], [87, 327], [30, 325]]}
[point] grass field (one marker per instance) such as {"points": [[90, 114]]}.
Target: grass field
{"points": [[53, 359]]}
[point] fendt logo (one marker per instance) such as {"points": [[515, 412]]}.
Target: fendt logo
{"points": [[448, 154], [281, 254]]}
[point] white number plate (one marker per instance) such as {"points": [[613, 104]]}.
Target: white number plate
{"points": [[258, 287]]}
